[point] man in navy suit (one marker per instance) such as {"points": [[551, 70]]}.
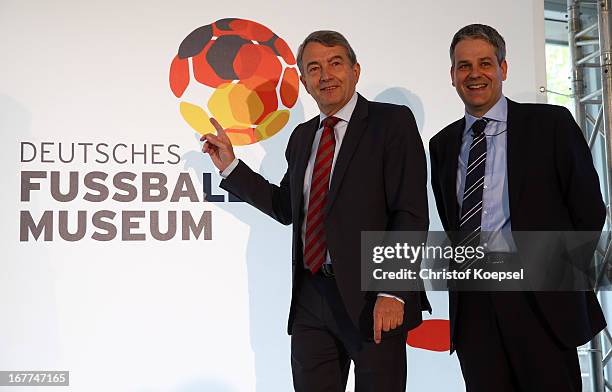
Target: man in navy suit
{"points": [[504, 168], [357, 166]]}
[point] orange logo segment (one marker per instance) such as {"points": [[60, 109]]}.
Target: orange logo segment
{"points": [[239, 72]]}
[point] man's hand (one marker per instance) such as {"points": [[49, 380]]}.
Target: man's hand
{"points": [[388, 315], [218, 146]]}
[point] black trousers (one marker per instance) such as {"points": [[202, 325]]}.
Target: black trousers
{"points": [[504, 345], [324, 341]]}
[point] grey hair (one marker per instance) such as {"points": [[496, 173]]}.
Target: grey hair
{"points": [[480, 31], [326, 38]]}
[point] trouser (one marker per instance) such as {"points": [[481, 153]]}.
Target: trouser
{"points": [[324, 341], [504, 345]]}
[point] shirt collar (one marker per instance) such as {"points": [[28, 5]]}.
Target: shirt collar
{"points": [[343, 114], [499, 112]]}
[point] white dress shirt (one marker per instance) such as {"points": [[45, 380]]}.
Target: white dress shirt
{"points": [[344, 115]]}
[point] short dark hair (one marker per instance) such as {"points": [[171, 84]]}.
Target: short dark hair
{"points": [[327, 38], [480, 31]]}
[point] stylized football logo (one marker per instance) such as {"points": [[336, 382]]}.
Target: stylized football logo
{"points": [[239, 72]]}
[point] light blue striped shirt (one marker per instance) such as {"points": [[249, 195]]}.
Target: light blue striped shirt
{"points": [[495, 224]]}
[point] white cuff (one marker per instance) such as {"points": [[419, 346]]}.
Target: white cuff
{"points": [[390, 296], [230, 168]]}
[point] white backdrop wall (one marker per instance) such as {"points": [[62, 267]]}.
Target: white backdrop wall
{"points": [[191, 315]]}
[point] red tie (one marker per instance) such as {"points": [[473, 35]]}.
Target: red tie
{"points": [[315, 248]]}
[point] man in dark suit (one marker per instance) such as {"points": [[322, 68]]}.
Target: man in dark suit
{"points": [[358, 166], [507, 167]]}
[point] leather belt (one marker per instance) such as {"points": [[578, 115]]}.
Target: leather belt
{"points": [[327, 270], [499, 257], [489, 260]]}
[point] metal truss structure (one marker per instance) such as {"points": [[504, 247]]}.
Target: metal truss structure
{"points": [[590, 44]]}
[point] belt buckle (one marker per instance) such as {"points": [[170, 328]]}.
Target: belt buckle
{"points": [[327, 270], [497, 258]]}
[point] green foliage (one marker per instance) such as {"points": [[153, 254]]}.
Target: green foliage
{"points": [[558, 75]]}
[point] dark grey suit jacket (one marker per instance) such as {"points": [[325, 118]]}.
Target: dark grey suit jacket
{"points": [[378, 183], [552, 185]]}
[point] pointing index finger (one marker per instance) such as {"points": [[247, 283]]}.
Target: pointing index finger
{"points": [[218, 127]]}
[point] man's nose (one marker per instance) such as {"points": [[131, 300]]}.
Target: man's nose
{"points": [[475, 73], [325, 74]]}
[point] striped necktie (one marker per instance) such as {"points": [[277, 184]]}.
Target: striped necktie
{"points": [[315, 247], [471, 208]]}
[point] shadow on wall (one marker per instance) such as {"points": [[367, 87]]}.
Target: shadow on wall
{"points": [[402, 96], [427, 370], [27, 271], [268, 262], [15, 126], [15, 118]]}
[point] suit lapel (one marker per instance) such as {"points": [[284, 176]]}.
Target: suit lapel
{"points": [[356, 127], [518, 144], [305, 140], [454, 145]]}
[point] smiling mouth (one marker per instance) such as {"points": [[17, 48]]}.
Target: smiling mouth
{"points": [[478, 86], [328, 89]]}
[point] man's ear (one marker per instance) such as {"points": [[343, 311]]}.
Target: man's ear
{"points": [[357, 71]]}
